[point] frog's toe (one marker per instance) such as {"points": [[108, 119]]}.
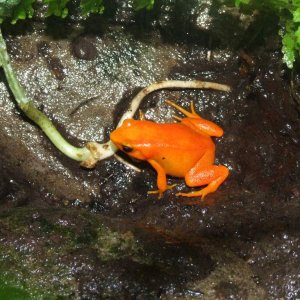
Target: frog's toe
{"points": [[160, 192], [171, 186], [202, 193]]}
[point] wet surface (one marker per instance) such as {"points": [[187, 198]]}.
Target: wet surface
{"points": [[110, 237]]}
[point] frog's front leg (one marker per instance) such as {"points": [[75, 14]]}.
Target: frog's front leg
{"points": [[161, 179], [204, 172]]}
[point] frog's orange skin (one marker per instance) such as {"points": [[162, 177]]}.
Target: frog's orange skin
{"points": [[182, 149]]}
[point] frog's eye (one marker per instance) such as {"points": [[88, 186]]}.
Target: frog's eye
{"points": [[127, 149]]}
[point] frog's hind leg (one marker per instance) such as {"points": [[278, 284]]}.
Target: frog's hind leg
{"points": [[194, 121], [205, 173], [213, 176]]}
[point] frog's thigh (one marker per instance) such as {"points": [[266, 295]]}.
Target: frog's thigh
{"points": [[161, 175], [203, 126], [205, 173]]}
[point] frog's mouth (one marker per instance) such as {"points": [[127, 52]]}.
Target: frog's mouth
{"points": [[134, 153]]}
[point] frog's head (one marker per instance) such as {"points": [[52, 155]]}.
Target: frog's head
{"points": [[129, 138]]}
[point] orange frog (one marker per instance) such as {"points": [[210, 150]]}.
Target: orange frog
{"points": [[182, 149]]}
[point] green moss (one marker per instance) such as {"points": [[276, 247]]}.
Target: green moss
{"points": [[12, 293], [36, 275], [112, 245], [31, 253], [37, 251]]}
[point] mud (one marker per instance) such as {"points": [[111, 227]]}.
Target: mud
{"points": [[70, 233]]}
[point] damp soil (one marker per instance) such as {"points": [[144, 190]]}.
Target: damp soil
{"points": [[72, 233]]}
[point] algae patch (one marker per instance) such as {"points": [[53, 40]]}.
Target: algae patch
{"points": [[112, 245]]}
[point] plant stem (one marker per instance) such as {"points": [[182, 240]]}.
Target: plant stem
{"points": [[79, 154], [10, 75], [169, 84]]}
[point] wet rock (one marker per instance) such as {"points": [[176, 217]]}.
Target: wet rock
{"points": [[44, 48], [54, 63], [19, 51], [277, 256], [76, 255]]}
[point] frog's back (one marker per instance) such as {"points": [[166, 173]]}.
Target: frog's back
{"points": [[176, 147], [176, 136]]}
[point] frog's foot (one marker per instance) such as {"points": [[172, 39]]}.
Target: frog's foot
{"points": [[159, 192], [213, 176], [191, 114], [202, 193]]}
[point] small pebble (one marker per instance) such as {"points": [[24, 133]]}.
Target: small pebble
{"points": [[83, 48]]}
